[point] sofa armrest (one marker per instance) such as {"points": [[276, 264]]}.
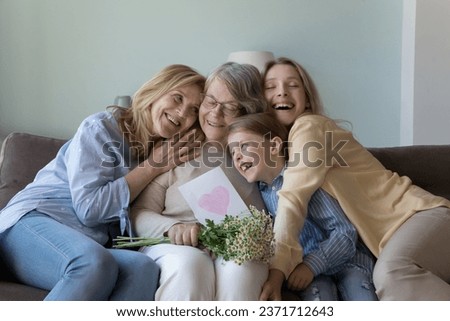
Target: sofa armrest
{"points": [[21, 157]]}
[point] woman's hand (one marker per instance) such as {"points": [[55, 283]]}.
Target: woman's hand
{"points": [[184, 234], [165, 155], [170, 153], [272, 287], [300, 278]]}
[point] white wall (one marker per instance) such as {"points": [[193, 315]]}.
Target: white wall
{"points": [[432, 73], [63, 60], [407, 78]]}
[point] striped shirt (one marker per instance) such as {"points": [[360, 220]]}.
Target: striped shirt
{"points": [[330, 242]]}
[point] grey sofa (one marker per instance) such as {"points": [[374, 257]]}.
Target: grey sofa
{"points": [[22, 155]]}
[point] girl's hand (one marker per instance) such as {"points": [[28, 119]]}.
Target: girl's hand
{"points": [[184, 234], [300, 278]]}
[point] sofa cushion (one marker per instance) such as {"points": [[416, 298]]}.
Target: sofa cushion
{"points": [[21, 157], [13, 291], [428, 166]]}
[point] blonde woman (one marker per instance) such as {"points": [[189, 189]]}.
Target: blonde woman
{"points": [[52, 233]]}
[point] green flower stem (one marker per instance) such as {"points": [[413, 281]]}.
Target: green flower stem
{"points": [[235, 238], [122, 242]]}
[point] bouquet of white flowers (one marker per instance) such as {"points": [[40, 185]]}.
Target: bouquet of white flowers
{"points": [[238, 238]]}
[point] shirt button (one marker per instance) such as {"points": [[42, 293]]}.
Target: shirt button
{"points": [[273, 188]]}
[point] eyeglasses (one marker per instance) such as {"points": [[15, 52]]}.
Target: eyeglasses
{"points": [[228, 108]]}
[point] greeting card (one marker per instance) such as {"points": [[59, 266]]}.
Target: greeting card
{"points": [[212, 196]]}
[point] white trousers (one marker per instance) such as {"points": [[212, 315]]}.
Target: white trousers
{"points": [[188, 273]]}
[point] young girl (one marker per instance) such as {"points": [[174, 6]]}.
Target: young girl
{"points": [[404, 226], [335, 264]]}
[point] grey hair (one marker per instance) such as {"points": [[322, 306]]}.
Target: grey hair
{"points": [[244, 82]]}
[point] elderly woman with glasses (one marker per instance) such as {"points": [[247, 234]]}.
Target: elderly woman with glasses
{"points": [[188, 272]]}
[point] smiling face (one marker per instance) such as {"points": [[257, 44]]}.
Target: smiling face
{"points": [[285, 93], [256, 158], [176, 111], [213, 121]]}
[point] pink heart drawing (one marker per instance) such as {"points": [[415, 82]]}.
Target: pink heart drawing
{"points": [[216, 202]]}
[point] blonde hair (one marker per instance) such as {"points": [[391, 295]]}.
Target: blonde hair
{"points": [[312, 94], [136, 122]]}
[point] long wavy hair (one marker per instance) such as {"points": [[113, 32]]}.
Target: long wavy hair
{"points": [[136, 122]]}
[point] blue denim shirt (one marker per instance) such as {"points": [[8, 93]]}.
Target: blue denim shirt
{"points": [[329, 240], [84, 185]]}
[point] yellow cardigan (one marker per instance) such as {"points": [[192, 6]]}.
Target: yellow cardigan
{"points": [[376, 200]]}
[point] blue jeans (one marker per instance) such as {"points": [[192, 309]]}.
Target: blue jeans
{"points": [[349, 284], [44, 253]]}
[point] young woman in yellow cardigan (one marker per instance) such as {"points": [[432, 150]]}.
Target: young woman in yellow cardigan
{"points": [[404, 226]]}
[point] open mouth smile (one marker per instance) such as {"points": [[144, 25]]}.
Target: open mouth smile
{"points": [[245, 166], [283, 106], [173, 120]]}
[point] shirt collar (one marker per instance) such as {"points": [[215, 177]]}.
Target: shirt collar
{"points": [[264, 185]]}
